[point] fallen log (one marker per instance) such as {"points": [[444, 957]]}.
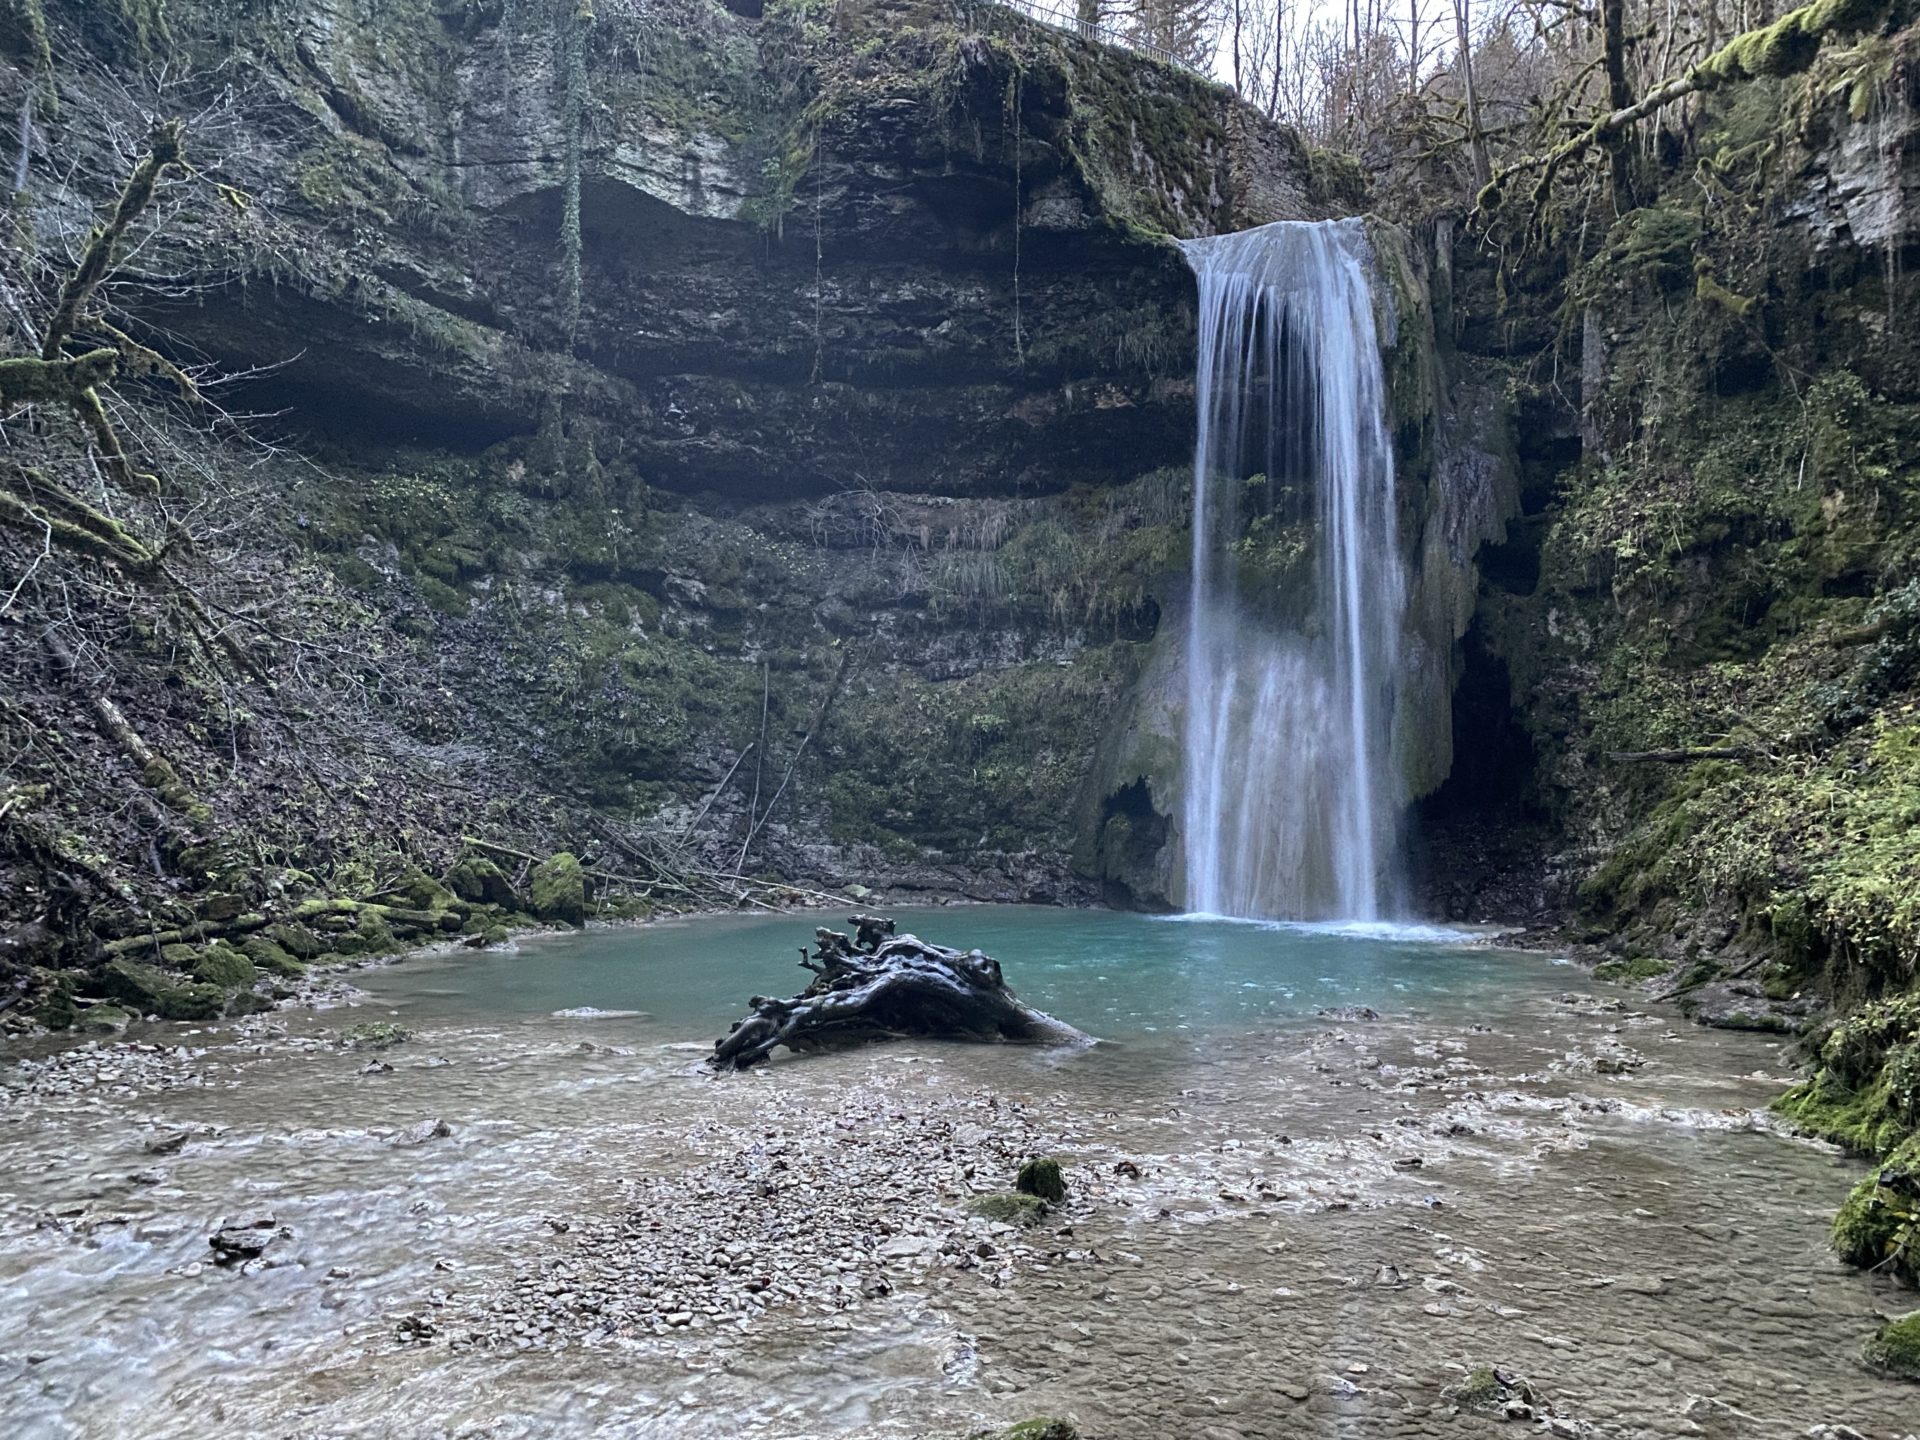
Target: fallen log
{"points": [[903, 988]]}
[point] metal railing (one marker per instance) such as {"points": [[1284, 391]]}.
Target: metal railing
{"points": [[1066, 16]]}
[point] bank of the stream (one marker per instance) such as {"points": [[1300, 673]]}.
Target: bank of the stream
{"points": [[1315, 1182]]}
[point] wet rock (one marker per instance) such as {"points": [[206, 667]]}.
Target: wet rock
{"points": [[1045, 1427], [1348, 1012], [103, 1020], [1042, 1177], [1012, 1208], [422, 1132], [246, 1239], [377, 1035]]}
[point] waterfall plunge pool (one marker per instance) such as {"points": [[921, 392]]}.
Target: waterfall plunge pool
{"points": [[1280, 1222]]}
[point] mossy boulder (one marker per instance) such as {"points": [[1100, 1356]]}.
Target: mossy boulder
{"points": [[220, 964], [418, 890], [272, 957], [153, 991], [479, 881], [1896, 1348], [557, 891], [297, 940], [1042, 1178], [1010, 1208]]}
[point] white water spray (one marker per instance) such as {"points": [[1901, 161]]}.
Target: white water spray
{"points": [[1292, 804]]}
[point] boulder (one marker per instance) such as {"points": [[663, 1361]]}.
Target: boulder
{"points": [[272, 957], [557, 891], [220, 964], [479, 881], [153, 991]]}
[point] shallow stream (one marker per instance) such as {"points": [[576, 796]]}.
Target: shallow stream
{"points": [[1282, 1222]]}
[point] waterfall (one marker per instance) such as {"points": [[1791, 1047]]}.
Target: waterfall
{"points": [[1292, 805]]}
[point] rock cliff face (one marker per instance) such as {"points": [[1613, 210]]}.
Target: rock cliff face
{"points": [[811, 489]]}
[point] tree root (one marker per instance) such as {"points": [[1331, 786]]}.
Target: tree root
{"points": [[902, 987]]}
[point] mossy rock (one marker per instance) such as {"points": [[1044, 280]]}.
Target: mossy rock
{"points": [[479, 881], [371, 936], [297, 940], [272, 957], [180, 957], [104, 1020], [418, 890], [57, 1011], [1010, 1208], [1896, 1348], [496, 935], [153, 991], [377, 1035], [220, 964], [557, 891], [1479, 1390], [1042, 1178]]}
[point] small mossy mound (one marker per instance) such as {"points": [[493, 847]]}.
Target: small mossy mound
{"points": [[1010, 1208], [220, 964], [1896, 1348], [1041, 1177], [153, 991], [377, 1035], [1879, 1225], [557, 891], [1480, 1390]]}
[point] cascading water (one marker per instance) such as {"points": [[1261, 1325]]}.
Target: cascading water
{"points": [[1292, 804]]}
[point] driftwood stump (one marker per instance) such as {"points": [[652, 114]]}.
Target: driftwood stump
{"points": [[887, 988]]}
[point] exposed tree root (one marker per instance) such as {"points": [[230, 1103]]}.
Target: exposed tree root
{"points": [[902, 987]]}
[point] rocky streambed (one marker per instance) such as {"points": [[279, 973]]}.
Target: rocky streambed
{"points": [[435, 1212]]}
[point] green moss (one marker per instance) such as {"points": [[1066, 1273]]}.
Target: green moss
{"points": [[377, 1035], [557, 891], [271, 957], [153, 991], [220, 964], [1480, 1390], [1042, 1178], [1895, 1349], [477, 879]]}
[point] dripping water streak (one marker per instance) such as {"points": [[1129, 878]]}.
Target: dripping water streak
{"points": [[1292, 808]]}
